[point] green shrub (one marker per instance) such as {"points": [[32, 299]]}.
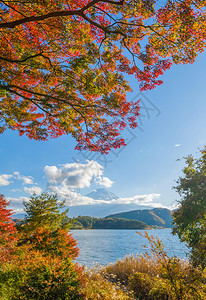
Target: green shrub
{"points": [[140, 283], [159, 290], [147, 287], [36, 277]]}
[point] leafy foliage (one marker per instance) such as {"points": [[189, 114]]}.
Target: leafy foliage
{"points": [[8, 233], [43, 266], [56, 243], [36, 276], [190, 217], [63, 63], [45, 211], [145, 287], [46, 226]]}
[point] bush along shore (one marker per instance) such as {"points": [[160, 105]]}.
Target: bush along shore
{"points": [[153, 276]]}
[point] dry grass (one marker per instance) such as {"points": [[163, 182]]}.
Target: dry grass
{"points": [[147, 278], [97, 287], [123, 268]]}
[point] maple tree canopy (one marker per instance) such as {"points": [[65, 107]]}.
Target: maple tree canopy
{"points": [[63, 63]]}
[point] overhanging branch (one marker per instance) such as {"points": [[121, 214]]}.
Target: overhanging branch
{"points": [[64, 13]]}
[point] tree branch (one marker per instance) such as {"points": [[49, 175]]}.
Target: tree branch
{"points": [[52, 98], [63, 13], [13, 8], [25, 59]]}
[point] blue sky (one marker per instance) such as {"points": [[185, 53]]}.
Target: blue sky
{"points": [[142, 173]]}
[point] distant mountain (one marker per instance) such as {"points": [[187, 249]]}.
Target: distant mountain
{"points": [[164, 214], [102, 194], [104, 209], [160, 217]]}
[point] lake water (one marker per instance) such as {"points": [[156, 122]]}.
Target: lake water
{"points": [[106, 246]]}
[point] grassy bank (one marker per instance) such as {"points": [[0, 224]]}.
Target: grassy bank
{"points": [[146, 278], [152, 276]]}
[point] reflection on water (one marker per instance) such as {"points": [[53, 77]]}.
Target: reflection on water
{"points": [[106, 246]]}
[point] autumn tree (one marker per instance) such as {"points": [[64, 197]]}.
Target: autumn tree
{"points": [[8, 233], [43, 267], [46, 227], [45, 211], [190, 217], [63, 63], [36, 276]]}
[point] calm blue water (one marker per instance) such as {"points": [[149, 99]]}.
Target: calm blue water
{"points": [[106, 246]]}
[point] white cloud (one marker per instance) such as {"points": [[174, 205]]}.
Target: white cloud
{"points": [[145, 200], [33, 190], [16, 190], [16, 204], [70, 196], [177, 145], [25, 179], [77, 175], [24, 199], [105, 181], [4, 179], [74, 199], [65, 179], [19, 200]]}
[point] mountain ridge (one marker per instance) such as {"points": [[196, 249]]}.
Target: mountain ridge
{"points": [[160, 217]]}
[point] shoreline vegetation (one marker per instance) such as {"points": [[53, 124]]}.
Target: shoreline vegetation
{"points": [[91, 223], [153, 276], [40, 264], [86, 222]]}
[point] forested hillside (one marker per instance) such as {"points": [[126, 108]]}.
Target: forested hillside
{"points": [[161, 217], [86, 222]]}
